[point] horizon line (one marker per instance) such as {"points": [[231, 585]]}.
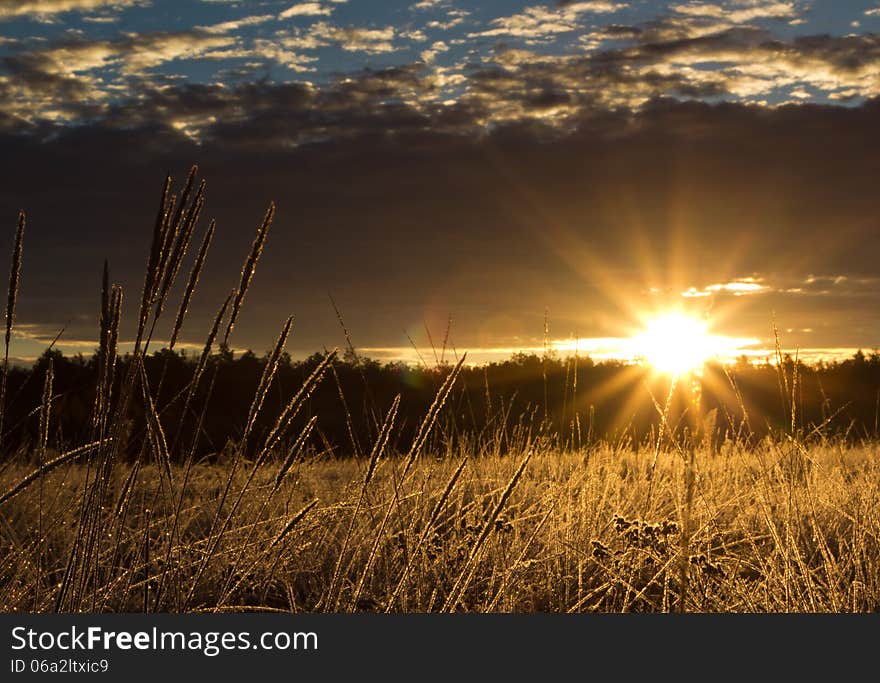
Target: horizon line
{"points": [[428, 356]]}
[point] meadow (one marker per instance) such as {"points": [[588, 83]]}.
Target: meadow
{"points": [[743, 531], [136, 517]]}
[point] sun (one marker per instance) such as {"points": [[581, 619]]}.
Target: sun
{"points": [[675, 343]]}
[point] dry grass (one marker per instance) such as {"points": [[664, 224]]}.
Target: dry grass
{"points": [[782, 527], [571, 534]]}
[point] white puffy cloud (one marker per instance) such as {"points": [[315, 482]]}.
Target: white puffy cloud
{"points": [[740, 12], [306, 9], [540, 21], [349, 38], [236, 24], [12, 9]]}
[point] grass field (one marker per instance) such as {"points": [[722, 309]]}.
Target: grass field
{"points": [[774, 529], [140, 522]]}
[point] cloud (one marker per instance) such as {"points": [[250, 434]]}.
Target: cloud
{"points": [[540, 21], [59, 82], [101, 19], [417, 35], [740, 12], [270, 50], [741, 287], [12, 9], [236, 24], [349, 38], [594, 6], [254, 115], [674, 189], [753, 62], [77, 77], [306, 9], [53, 83], [146, 51], [436, 48], [454, 18], [648, 156], [678, 57]]}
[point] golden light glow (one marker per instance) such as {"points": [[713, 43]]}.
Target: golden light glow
{"points": [[676, 343]]}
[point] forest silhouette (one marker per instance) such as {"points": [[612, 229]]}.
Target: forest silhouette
{"points": [[577, 403]]}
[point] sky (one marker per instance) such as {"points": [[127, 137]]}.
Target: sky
{"points": [[448, 169]]}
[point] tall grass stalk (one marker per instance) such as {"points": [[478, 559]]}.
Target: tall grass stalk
{"points": [[282, 424], [470, 566], [248, 269], [684, 552], [11, 299], [379, 448], [426, 531], [447, 520]]}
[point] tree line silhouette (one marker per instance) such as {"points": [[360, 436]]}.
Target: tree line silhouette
{"points": [[571, 402]]}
